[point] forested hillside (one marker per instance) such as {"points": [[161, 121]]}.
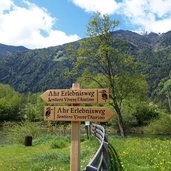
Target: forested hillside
{"points": [[8, 50], [41, 69], [35, 70]]}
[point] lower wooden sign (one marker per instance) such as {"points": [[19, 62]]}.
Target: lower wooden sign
{"points": [[78, 113]]}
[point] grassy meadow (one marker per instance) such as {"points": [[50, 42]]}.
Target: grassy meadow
{"points": [[50, 153], [143, 153]]}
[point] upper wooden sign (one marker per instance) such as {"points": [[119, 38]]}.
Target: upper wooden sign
{"points": [[79, 96]]}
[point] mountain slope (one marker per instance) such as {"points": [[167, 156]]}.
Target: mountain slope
{"points": [[34, 70], [41, 69], [9, 50]]}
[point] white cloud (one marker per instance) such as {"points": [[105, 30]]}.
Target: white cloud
{"points": [[162, 8], [147, 15], [33, 27], [102, 6], [5, 5], [161, 26], [24, 26]]}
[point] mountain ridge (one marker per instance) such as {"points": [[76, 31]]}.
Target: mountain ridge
{"points": [[40, 69], [10, 49]]}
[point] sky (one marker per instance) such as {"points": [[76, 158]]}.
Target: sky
{"points": [[44, 23]]}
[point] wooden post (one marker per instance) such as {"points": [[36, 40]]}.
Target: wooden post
{"points": [[105, 162], [75, 141]]}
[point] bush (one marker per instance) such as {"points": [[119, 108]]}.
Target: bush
{"points": [[16, 132], [145, 113], [34, 107], [10, 103], [160, 126], [44, 139], [59, 143]]}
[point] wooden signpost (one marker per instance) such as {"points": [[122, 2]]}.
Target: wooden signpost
{"points": [[76, 96], [76, 113]]}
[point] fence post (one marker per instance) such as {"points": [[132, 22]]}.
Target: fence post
{"points": [[105, 162]]}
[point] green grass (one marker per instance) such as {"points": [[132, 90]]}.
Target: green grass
{"points": [[42, 156], [136, 154], [143, 154]]}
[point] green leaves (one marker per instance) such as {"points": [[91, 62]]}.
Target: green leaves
{"points": [[15, 106], [10, 102], [166, 86], [100, 24]]}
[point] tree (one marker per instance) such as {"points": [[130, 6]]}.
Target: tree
{"points": [[10, 103], [33, 108], [101, 59]]}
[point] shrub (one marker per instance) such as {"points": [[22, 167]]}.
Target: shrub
{"points": [[59, 143], [145, 113], [16, 132], [159, 126], [10, 103], [44, 139]]}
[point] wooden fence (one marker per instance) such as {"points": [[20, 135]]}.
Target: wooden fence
{"points": [[100, 160]]}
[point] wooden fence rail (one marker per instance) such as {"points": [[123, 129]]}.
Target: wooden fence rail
{"points": [[100, 160]]}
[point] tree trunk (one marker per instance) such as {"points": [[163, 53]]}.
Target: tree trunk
{"points": [[168, 98], [121, 125], [120, 120]]}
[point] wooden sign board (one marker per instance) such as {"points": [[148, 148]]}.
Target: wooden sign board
{"points": [[78, 96], [77, 113]]}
